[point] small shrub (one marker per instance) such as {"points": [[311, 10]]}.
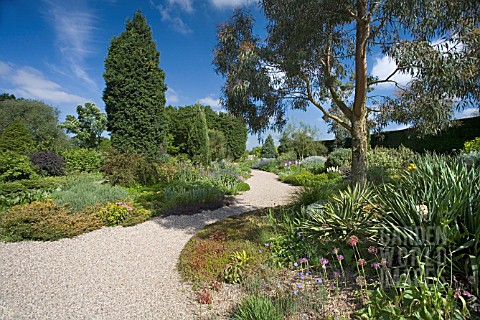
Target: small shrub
{"points": [[243, 186], [48, 163], [204, 296], [119, 213], [314, 164], [472, 145], [82, 160], [14, 166], [471, 159], [339, 157], [44, 221]]}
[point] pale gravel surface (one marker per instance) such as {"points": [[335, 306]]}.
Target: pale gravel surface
{"points": [[116, 273]]}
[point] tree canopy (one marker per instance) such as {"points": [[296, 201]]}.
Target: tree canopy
{"points": [[134, 95], [88, 127], [40, 119], [17, 138], [301, 139], [315, 54]]}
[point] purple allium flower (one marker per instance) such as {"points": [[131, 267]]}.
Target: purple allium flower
{"points": [[299, 285], [323, 261], [467, 294], [375, 265], [295, 292], [361, 262], [260, 250], [278, 284], [302, 260], [318, 280], [372, 250], [457, 293], [267, 244], [336, 274], [353, 240], [340, 257]]}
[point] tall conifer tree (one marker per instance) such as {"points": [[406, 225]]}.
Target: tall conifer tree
{"points": [[134, 95]]}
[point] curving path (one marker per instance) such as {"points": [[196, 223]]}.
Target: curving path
{"points": [[116, 273]]}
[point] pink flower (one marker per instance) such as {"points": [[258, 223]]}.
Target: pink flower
{"points": [[336, 274], [353, 240], [372, 250], [302, 260], [375, 265], [361, 262], [340, 257], [384, 262], [323, 261]]}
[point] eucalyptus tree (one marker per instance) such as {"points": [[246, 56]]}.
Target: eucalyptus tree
{"points": [[315, 55]]}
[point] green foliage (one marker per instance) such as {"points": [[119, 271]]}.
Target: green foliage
{"points": [[420, 298], [88, 127], [82, 160], [40, 119], [346, 214], [339, 157], [440, 198], [300, 140], [386, 164], [268, 148], [14, 166], [471, 159], [243, 186], [88, 190], [217, 144], [314, 164], [258, 308], [135, 91], [310, 194], [472, 145], [234, 271], [176, 196], [48, 163], [198, 143], [44, 221], [122, 213], [26, 191], [16, 138]]}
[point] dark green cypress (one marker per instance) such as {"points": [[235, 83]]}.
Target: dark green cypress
{"points": [[17, 138], [198, 144], [268, 148], [134, 95]]}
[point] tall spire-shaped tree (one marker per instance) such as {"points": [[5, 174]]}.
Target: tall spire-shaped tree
{"points": [[134, 95]]}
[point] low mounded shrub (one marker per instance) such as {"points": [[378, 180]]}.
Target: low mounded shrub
{"points": [[44, 221], [48, 163], [314, 164], [82, 160], [14, 166], [122, 213], [339, 157]]}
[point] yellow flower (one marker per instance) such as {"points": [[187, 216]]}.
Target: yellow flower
{"points": [[412, 167]]}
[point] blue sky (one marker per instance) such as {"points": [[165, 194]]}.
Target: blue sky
{"points": [[54, 50]]}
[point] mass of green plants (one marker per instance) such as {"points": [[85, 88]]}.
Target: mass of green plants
{"points": [[404, 246]]}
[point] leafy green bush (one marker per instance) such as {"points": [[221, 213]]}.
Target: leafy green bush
{"points": [[44, 221], [87, 190], [48, 163], [339, 157], [14, 166], [82, 160], [17, 138], [258, 308], [178, 195], [472, 145], [310, 194], [314, 164], [386, 164], [434, 209], [122, 213], [243, 186], [26, 191]]}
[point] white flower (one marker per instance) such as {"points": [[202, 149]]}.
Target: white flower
{"points": [[422, 209]]}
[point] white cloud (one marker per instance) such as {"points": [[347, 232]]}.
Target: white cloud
{"points": [[30, 83], [74, 28], [171, 96], [167, 16], [230, 3], [383, 67], [211, 101]]}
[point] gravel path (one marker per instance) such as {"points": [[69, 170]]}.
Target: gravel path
{"points": [[115, 273]]}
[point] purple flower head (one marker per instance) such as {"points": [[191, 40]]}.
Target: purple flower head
{"points": [[361, 262], [299, 234], [278, 284], [260, 250], [267, 244], [353, 240], [302, 260], [384, 262], [299, 285], [336, 274], [295, 264], [318, 280], [295, 292], [457, 293], [467, 294], [323, 261], [340, 257], [375, 265]]}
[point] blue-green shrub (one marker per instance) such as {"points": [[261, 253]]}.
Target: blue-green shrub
{"points": [[339, 157]]}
